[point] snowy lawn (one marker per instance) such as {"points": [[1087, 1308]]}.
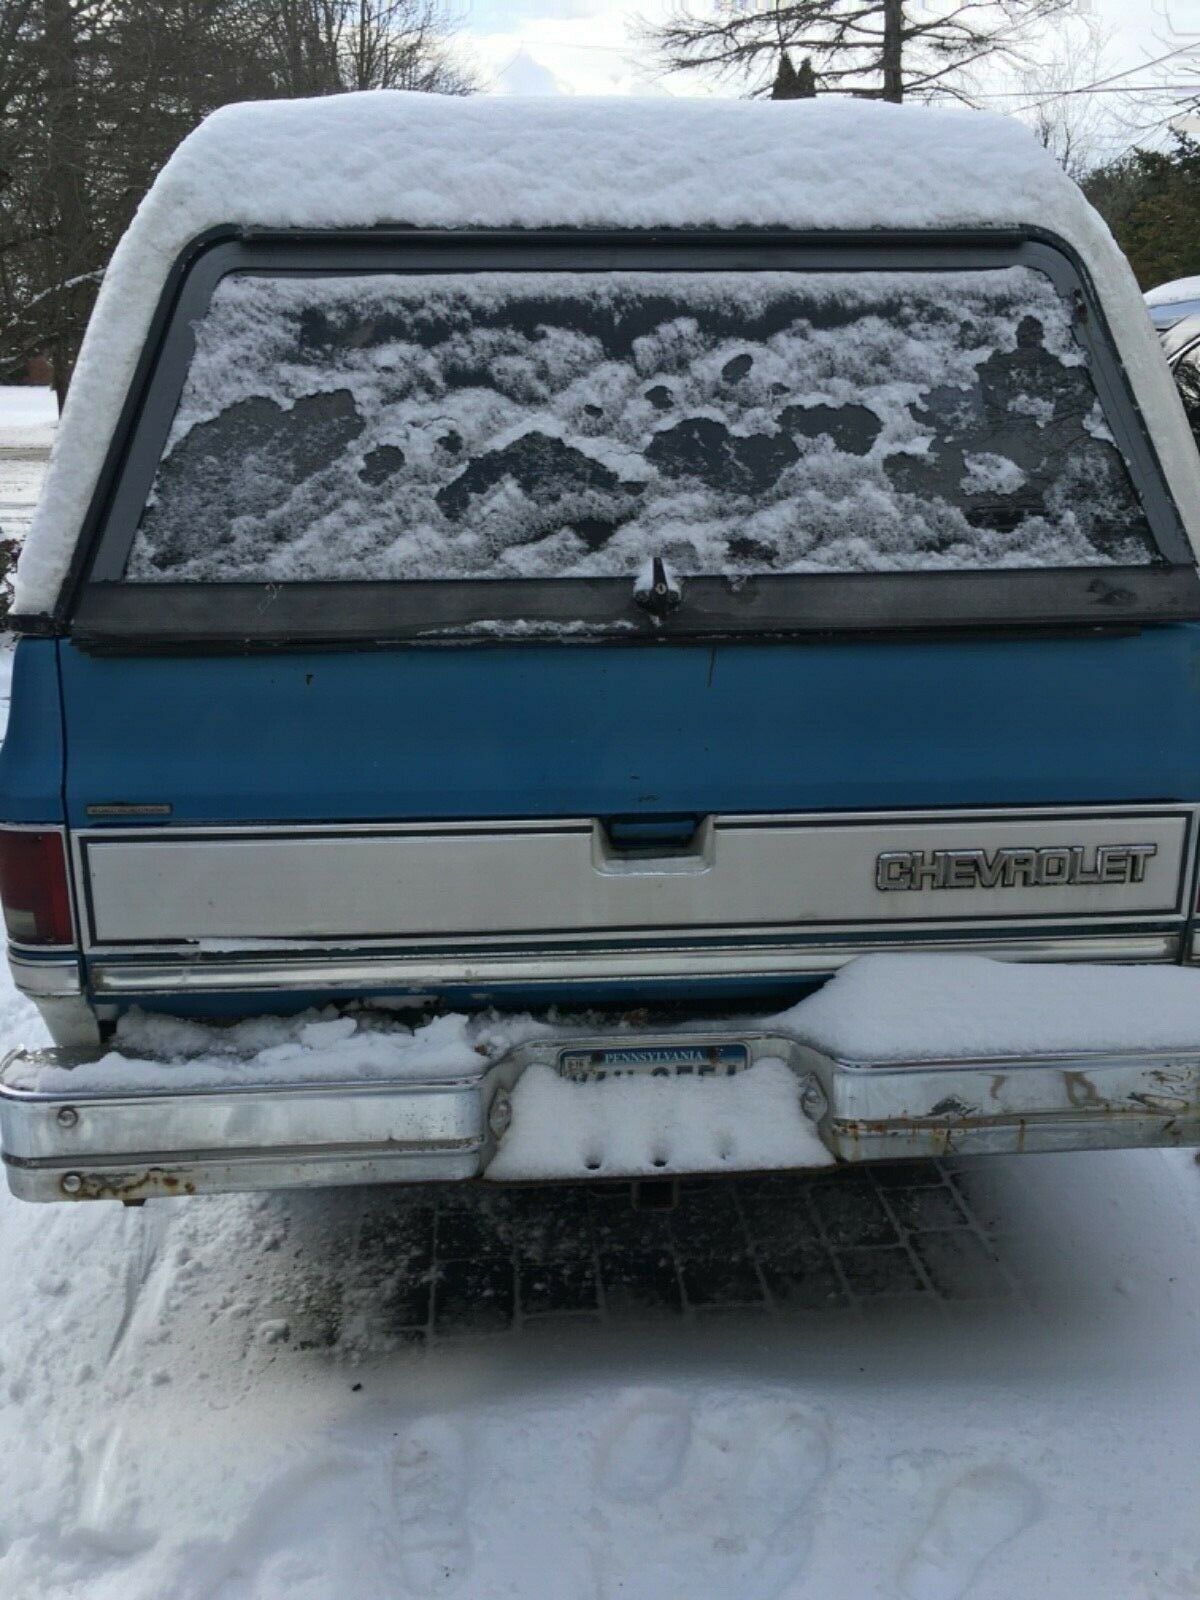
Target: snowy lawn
{"points": [[28, 414], [27, 420], [248, 1398]]}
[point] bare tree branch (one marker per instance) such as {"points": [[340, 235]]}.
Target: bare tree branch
{"points": [[95, 94], [884, 49]]}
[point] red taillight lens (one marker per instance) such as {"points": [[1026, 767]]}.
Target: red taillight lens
{"points": [[33, 887]]}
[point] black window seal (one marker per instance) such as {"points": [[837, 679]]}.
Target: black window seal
{"points": [[250, 616], [102, 612]]}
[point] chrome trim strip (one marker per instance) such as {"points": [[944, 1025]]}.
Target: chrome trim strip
{"points": [[51, 978], [429, 972], [121, 809], [1013, 931], [581, 824]]}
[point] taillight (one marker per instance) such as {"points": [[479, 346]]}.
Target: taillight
{"points": [[33, 887]]}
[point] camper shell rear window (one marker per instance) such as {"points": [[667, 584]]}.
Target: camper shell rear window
{"points": [[529, 427]]}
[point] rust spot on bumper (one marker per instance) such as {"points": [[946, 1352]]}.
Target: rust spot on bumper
{"points": [[153, 1183], [1081, 1091], [927, 1138]]}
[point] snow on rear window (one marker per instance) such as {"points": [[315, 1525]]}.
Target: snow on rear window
{"points": [[561, 424]]}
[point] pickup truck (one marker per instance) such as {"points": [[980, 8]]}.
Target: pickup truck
{"points": [[598, 640]]}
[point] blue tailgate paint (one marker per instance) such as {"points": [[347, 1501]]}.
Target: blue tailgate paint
{"points": [[31, 756], [529, 731]]}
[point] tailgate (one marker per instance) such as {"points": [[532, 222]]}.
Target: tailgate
{"points": [[538, 794]]}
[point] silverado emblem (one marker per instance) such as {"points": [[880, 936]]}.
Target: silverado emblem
{"points": [[1058, 865]]}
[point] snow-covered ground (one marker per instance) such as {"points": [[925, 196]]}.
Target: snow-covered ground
{"points": [[28, 417], [199, 1401], [28, 414]]}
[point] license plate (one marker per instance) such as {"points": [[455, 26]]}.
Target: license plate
{"points": [[653, 1060]]}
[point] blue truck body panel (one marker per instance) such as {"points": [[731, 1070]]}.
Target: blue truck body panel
{"points": [[554, 731], [31, 756]]}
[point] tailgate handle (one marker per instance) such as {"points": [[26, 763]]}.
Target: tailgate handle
{"points": [[651, 836], [641, 846]]}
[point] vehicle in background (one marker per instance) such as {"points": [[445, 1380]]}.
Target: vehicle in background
{"points": [[1181, 346], [1169, 303], [591, 582]]}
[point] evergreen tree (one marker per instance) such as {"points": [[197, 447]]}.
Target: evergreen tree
{"points": [[1151, 201], [95, 94], [793, 83]]}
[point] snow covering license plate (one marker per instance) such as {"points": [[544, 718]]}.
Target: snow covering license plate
{"points": [[656, 1061]]}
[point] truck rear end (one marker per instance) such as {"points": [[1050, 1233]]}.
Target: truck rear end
{"points": [[602, 699]]}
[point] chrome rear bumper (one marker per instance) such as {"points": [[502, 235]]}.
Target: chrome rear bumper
{"points": [[88, 1145]]}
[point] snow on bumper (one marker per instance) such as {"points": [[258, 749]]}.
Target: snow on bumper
{"points": [[522, 1118], [897, 1056]]}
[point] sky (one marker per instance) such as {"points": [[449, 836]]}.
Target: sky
{"points": [[590, 47]]}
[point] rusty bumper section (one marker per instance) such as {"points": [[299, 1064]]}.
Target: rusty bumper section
{"points": [[81, 1144], [1009, 1105]]}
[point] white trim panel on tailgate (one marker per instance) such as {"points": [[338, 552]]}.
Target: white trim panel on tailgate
{"points": [[444, 881]]}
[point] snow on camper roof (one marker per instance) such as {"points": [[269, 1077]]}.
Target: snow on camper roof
{"points": [[357, 161]]}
